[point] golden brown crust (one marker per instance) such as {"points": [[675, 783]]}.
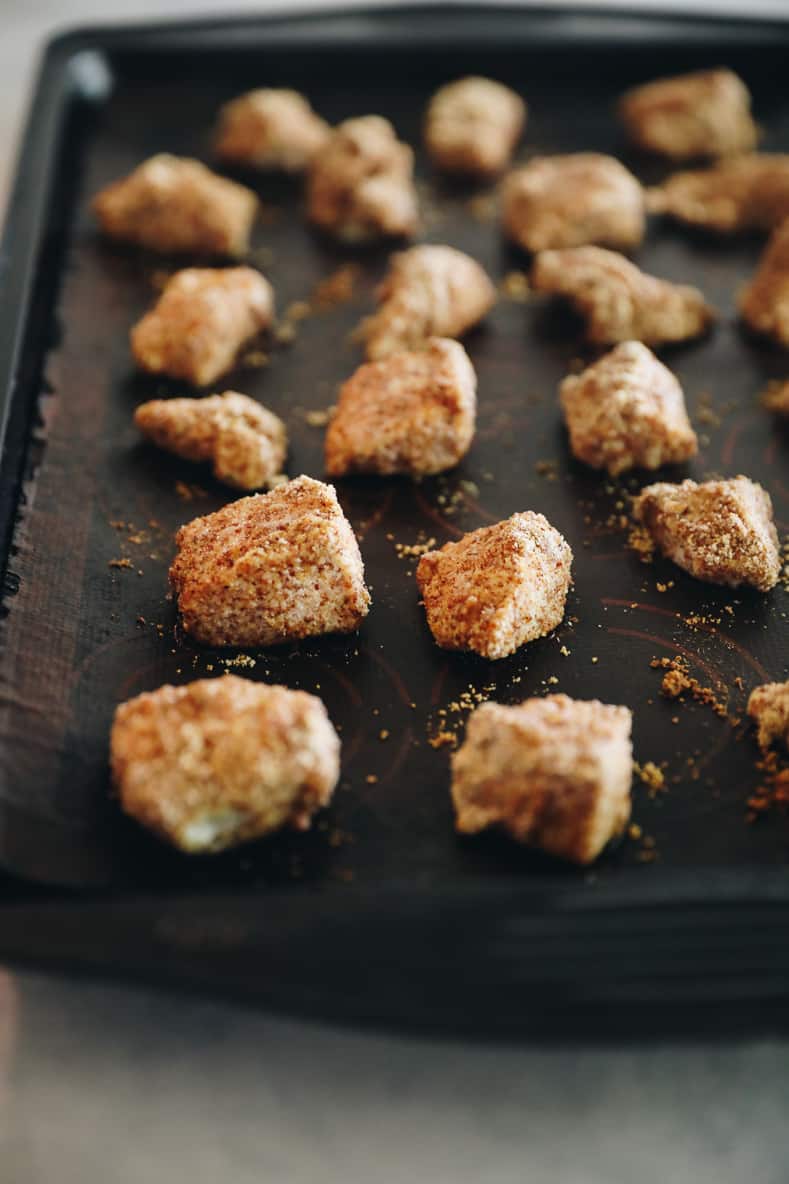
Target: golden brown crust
{"points": [[222, 761], [627, 411], [472, 126], [719, 531], [174, 204], [554, 773], [245, 443], [570, 201], [200, 322], [429, 291], [270, 568], [748, 192], [768, 707], [360, 183], [412, 413], [270, 129], [764, 302], [617, 301], [707, 113], [498, 587]]}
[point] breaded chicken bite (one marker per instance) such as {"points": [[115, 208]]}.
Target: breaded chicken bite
{"points": [[702, 114], [270, 568], [720, 531], [498, 587], [411, 413], [174, 204], [569, 201], [200, 322], [768, 707], [270, 129], [428, 292], [764, 302], [627, 411], [776, 398], [360, 184], [745, 193], [617, 301], [245, 444], [473, 125], [554, 773], [223, 760]]}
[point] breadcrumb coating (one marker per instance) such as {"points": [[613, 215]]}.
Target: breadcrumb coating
{"points": [[707, 113], [270, 129], [768, 707], [174, 204], [429, 291], [498, 587], [472, 126], [745, 193], [617, 301], [412, 413], [360, 183], [270, 568], [221, 761], [627, 411], [200, 322], [764, 302], [245, 443], [555, 773], [720, 531], [569, 201]]}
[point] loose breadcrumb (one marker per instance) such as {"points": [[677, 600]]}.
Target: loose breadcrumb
{"points": [[270, 129], [776, 398], [222, 761], [472, 126], [768, 707], [555, 773], [171, 203], [707, 113], [764, 302], [745, 193], [678, 681]]}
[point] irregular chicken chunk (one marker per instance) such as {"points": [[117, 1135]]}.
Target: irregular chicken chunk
{"points": [[498, 587], [473, 125], [764, 302], [245, 443], [719, 531], [617, 301], [568, 201], [200, 322], [270, 129], [768, 707], [173, 204], [555, 773], [745, 193], [360, 184], [703, 114], [627, 411], [223, 760], [270, 568], [776, 398], [428, 292], [412, 413]]}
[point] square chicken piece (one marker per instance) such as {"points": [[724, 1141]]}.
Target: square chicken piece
{"points": [[200, 322], [554, 773], [627, 411], [270, 568], [412, 413], [570, 201], [270, 129], [498, 587], [748, 192], [768, 707], [719, 531], [174, 204], [221, 761], [707, 113], [764, 302], [245, 443], [429, 291], [360, 184], [472, 126]]}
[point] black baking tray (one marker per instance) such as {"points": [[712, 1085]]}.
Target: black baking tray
{"points": [[380, 912]]}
